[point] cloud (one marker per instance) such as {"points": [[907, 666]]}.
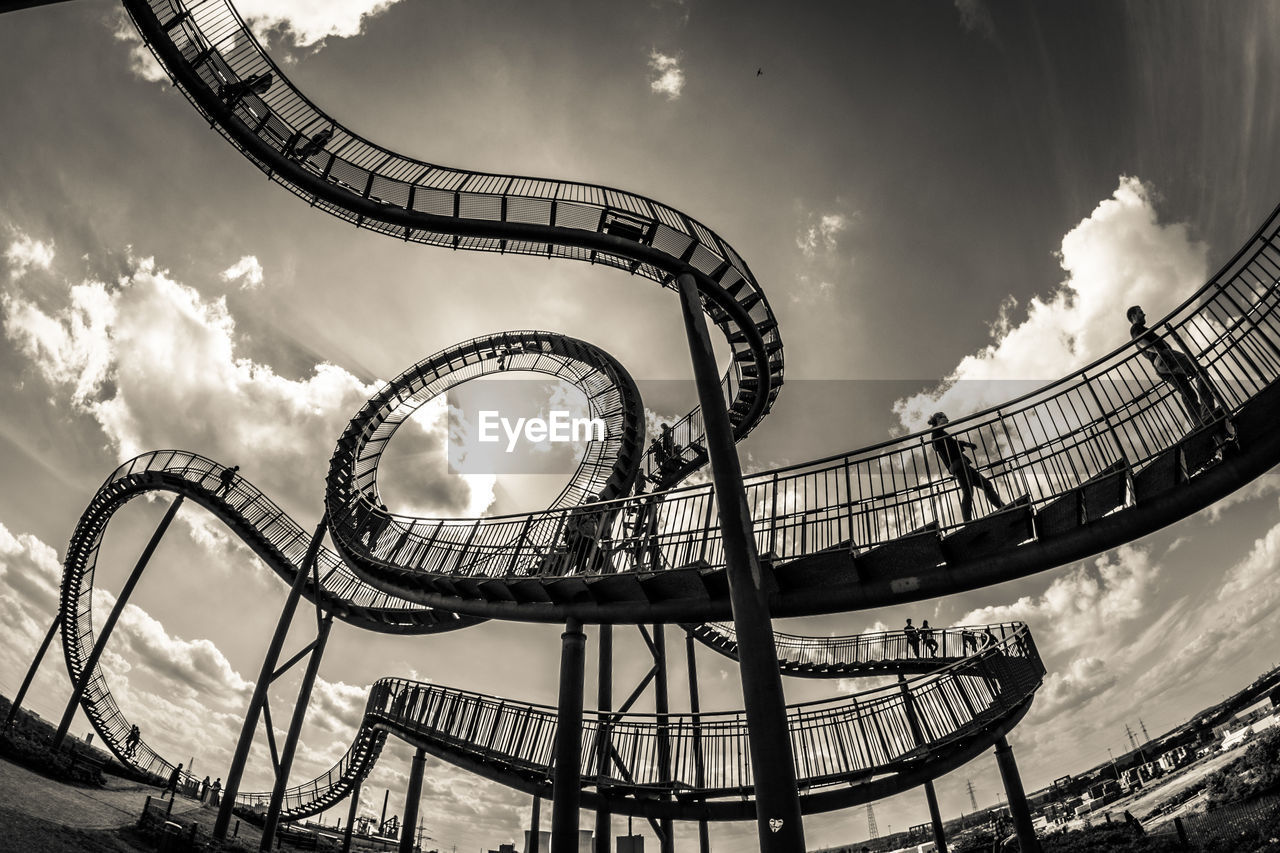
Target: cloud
{"points": [[308, 23], [156, 365], [975, 17], [1118, 256], [26, 253], [247, 271], [668, 76], [142, 62], [822, 263]]}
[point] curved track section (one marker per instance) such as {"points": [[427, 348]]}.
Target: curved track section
{"points": [[849, 750], [213, 57], [1100, 457], [261, 524]]}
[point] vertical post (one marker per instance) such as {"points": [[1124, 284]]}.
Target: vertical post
{"points": [[351, 817], [259, 698], [295, 729], [695, 708], [935, 815], [386, 794], [604, 702], [566, 785], [409, 826], [91, 663], [1017, 798], [662, 706], [535, 826], [778, 823], [31, 672]]}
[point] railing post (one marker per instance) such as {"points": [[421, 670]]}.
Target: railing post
{"points": [[91, 663], [259, 698], [567, 775], [778, 822]]}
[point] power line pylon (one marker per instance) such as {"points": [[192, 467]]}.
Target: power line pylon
{"points": [[872, 831]]}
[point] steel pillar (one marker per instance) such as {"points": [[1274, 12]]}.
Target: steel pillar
{"points": [[935, 816], [913, 722], [91, 663], [699, 769], [31, 672], [409, 824], [535, 825], [1017, 797], [295, 729], [778, 822], [604, 702], [566, 784], [351, 816], [260, 687], [662, 707]]}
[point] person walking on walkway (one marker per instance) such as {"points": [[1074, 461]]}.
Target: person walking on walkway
{"points": [[927, 640], [171, 787], [225, 479], [950, 451], [1176, 368]]}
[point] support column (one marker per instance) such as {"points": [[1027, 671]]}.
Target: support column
{"points": [[260, 687], [913, 721], [295, 729], [935, 816], [535, 826], [351, 816], [1018, 808], [566, 784], [695, 708], [604, 702], [662, 707], [31, 673], [772, 763], [409, 824], [91, 663]]}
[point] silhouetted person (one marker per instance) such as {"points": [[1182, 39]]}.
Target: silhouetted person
{"points": [[131, 740], [204, 789], [927, 640], [314, 145], [665, 446], [225, 479], [376, 523], [968, 640], [172, 787], [988, 638], [950, 451], [913, 638], [257, 84], [215, 793], [1176, 368]]}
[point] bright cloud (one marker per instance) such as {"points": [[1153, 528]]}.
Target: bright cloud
{"points": [[154, 364], [1120, 255], [822, 263], [142, 62], [26, 253], [307, 23], [668, 76], [247, 271]]}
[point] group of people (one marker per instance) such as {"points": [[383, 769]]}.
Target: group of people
{"points": [[922, 637], [1199, 397]]}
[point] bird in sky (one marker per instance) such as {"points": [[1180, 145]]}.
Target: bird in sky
{"points": [[759, 72]]}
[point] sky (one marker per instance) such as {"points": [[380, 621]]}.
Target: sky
{"points": [[944, 202]]}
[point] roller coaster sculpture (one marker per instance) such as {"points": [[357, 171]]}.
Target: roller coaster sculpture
{"points": [[1104, 455]]}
